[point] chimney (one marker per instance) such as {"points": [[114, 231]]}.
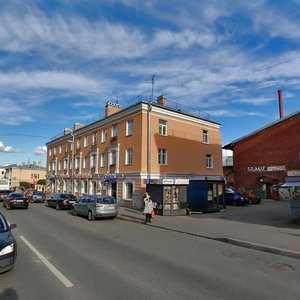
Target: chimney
{"points": [[162, 100], [112, 108], [280, 103], [67, 131], [77, 126]]}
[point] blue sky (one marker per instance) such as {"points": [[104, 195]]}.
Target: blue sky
{"points": [[62, 60]]}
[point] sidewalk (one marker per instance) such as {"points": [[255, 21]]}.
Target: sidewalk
{"points": [[277, 240]]}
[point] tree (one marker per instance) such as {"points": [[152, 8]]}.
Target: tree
{"points": [[41, 182], [25, 184]]}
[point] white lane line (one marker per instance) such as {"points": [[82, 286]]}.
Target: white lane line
{"points": [[58, 274]]}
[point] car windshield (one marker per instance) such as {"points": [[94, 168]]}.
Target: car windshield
{"points": [[106, 200], [37, 193], [3, 226], [16, 195], [67, 196]]}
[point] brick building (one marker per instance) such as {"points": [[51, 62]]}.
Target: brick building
{"points": [[129, 147], [262, 159]]}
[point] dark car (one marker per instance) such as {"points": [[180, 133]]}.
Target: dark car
{"points": [[4, 193], [8, 245], [60, 201], [95, 206], [36, 196], [16, 200], [230, 197]]}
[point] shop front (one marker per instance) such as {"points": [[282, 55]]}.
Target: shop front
{"points": [[169, 195]]}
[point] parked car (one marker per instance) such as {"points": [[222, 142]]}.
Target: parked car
{"points": [[37, 196], [252, 197], [60, 201], [8, 245], [95, 206], [230, 197], [4, 193], [15, 200]]}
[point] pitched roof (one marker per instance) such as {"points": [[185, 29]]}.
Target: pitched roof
{"points": [[230, 145]]}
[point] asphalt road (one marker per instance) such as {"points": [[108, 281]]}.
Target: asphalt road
{"points": [[65, 257]]}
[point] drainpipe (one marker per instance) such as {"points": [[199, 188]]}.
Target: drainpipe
{"points": [[149, 143]]}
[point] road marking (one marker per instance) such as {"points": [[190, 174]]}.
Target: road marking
{"points": [[44, 260]]}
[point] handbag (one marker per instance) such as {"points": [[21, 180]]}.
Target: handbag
{"points": [[152, 213]]}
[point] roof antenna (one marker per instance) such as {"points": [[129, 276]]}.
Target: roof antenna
{"points": [[152, 87]]}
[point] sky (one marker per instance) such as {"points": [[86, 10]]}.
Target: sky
{"points": [[61, 61]]}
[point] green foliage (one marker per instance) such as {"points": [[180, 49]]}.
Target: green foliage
{"points": [[25, 184], [42, 181]]}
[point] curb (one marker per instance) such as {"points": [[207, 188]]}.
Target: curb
{"points": [[236, 242]]}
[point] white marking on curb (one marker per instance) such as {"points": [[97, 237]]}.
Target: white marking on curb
{"points": [[44, 260]]}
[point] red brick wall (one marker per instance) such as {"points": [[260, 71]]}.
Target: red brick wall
{"points": [[277, 145]]}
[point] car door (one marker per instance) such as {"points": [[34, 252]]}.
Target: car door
{"points": [[79, 205]]}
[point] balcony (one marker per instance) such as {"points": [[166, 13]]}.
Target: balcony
{"points": [[114, 140]]}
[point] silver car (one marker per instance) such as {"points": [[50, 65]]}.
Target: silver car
{"points": [[95, 206]]}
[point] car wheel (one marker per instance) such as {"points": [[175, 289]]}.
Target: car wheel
{"points": [[90, 216], [57, 207], [73, 211]]}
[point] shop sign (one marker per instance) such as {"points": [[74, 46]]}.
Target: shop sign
{"points": [[167, 181], [293, 173], [266, 168], [181, 181]]}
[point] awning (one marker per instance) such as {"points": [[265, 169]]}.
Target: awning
{"points": [[291, 184], [292, 181]]}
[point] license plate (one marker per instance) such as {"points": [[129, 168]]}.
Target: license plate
{"points": [[19, 200], [71, 202]]}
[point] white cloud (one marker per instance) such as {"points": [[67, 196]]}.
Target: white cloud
{"points": [[7, 149], [40, 150]]}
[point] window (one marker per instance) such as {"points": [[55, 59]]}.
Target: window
{"points": [[103, 160], [54, 150], [128, 156], [162, 156], [78, 143], [59, 149], [77, 162], [205, 137], [85, 141], [129, 190], [85, 162], [59, 166], [162, 127], [112, 158], [104, 135], [49, 152], [129, 127], [114, 131], [209, 161], [65, 164], [95, 136], [93, 161]]}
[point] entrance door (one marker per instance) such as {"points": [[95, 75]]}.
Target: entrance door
{"points": [[114, 189]]}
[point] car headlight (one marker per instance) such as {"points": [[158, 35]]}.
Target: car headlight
{"points": [[8, 249]]}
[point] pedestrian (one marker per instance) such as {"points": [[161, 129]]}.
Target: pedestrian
{"points": [[148, 207]]}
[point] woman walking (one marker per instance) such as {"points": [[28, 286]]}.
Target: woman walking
{"points": [[148, 207]]}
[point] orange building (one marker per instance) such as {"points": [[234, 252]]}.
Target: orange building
{"points": [[129, 147]]}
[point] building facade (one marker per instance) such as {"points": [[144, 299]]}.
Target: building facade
{"points": [[262, 159], [25, 173], [120, 153]]}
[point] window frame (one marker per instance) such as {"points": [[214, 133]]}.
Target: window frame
{"points": [[162, 157], [205, 136], [128, 156], [163, 127], [209, 162], [129, 127]]}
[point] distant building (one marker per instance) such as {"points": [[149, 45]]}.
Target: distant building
{"points": [[146, 143], [262, 159], [25, 173]]}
